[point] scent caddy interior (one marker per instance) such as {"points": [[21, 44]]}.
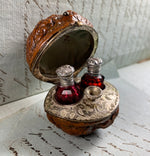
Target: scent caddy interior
{"points": [[70, 39]]}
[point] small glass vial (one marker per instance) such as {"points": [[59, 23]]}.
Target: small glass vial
{"points": [[93, 77], [67, 92]]}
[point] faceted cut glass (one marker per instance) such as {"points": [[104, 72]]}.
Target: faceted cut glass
{"points": [[90, 80], [68, 95]]}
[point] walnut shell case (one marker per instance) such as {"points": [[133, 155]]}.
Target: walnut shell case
{"points": [[70, 39]]}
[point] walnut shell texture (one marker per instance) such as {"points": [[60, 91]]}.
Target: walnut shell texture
{"points": [[81, 128], [83, 117], [46, 29]]}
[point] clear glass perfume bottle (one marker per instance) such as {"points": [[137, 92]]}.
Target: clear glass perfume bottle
{"points": [[67, 92], [93, 76]]}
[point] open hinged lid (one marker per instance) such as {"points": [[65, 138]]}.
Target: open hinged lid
{"points": [[59, 40]]}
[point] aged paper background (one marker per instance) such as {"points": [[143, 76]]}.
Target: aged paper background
{"points": [[123, 27]]}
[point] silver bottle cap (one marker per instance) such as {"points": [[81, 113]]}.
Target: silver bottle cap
{"points": [[94, 65], [65, 74]]}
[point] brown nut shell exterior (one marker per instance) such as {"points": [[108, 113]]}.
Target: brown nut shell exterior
{"points": [[83, 117], [81, 128], [46, 29]]}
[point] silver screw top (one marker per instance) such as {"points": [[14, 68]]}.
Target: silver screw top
{"points": [[65, 70], [65, 74], [94, 65], [94, 61]]}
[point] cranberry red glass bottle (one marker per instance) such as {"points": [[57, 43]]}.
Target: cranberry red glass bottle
{"points": [[93, 76], [67, 92]]}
